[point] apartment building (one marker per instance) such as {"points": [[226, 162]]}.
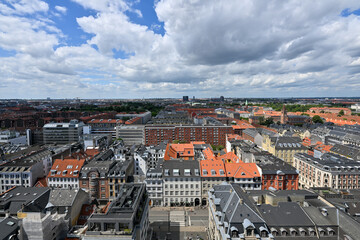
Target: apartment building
{"points": [[155, 185], [284, 147], [182, 182], [65, 173], [329, 170], [211, 134], [25, 170], [126, 218], [62, 133]]}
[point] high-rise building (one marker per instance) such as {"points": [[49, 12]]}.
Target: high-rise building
{"points": [[185, 98]]}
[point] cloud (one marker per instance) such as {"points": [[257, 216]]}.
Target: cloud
{"points": [[61, 9], [209, 48]]}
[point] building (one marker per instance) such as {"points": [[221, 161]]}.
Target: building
{"points": [[104, 126], [211, 134], [94, 175], [185, 98], [336, 110], [155, 184], [212, 173], [26, 170], [277, 174], [182, 182], [245, 174], [65, 173], [183, 151], [284, 147], [119, 173], [127, 217], [13, 200], [327, 171], [230, 217], [261, 214], [155, 153], [62, 133], [130, 134], [143, 117], [9, 228]]}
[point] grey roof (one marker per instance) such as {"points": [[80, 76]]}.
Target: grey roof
{"points": [[63, 197], [288, 143], [270, 164], [178, 164], [286, 214], [346, 150], [31, 197], [8, 227]]}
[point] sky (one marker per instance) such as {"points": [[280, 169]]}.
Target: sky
{"points": [[172, 48]]}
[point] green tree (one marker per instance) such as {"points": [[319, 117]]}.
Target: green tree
{"points": [[341, 113], [317, 119]]}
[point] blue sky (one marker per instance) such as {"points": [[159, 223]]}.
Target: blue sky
{"points": [[171, 48]]}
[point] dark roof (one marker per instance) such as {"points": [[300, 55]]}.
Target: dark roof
{"points": [[31, 197], [270, 164], [8, 227], [178, 164]]}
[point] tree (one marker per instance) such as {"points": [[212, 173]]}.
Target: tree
{"points": [[341, 113], [317, 119]]}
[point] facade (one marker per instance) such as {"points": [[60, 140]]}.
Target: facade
{"points": [[127, 217], [155, 185], [25, 171], [62, 133], [94, 175], [104, 126], [118, 174], [212, 173], [284, 147], [211, 134], [144, 116], [277, 174], [65, 173], [182, 182], [130, 134], [328, 171]]}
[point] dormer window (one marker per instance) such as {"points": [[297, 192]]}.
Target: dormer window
{"points": [[176, 172], [213, 173], [205, 172], [187, 172]]}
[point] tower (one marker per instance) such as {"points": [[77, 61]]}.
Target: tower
{"points": [[284, 117]]}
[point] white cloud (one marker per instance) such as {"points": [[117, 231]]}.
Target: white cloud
{"points": [[210, 48], [26, 6], [61, 9]]}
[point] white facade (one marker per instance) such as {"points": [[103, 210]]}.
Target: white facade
{"points": [[71, 183], [140, 166], [182, 191]]}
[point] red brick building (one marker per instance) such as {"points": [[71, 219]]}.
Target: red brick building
{"points": [[215, 135]]}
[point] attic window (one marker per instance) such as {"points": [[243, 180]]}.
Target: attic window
{"points": [[242, 174], [213, 173], [187, 172], [10, 223], [176, 172], [69, 166]]}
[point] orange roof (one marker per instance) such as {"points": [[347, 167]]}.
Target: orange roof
{"points": [[67, 168], [92, 151], [198, 142], [234, 137], [181, 150], [209, 154], [229, 157], [323, 148], [41, 182], [242, 170], [212, 168]]}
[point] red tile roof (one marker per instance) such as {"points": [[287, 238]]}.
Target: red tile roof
{"points": [[242, 170], [67, 168]]}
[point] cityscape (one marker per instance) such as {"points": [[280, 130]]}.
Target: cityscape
{"points": [[179, 120]]}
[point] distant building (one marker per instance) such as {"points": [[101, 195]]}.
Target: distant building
{"points": [[62, 133], [186, 98], [131, 134]]}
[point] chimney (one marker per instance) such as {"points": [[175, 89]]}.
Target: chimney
{"points": [[78, 157], [62, 157]]}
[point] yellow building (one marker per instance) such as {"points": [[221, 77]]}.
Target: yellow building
{"points": [[284, 147]]}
